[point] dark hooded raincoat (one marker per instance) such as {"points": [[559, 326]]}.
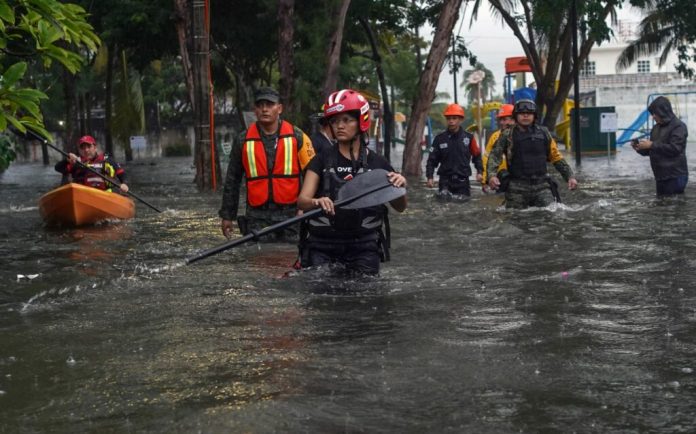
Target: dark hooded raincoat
{"points": [[668, 151]]}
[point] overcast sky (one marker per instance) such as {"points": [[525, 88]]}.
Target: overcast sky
{"points": [[492, 43]]}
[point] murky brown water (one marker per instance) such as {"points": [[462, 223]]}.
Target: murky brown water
{"points": [[577, 318]]}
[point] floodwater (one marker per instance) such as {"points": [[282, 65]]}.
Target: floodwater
{"points": [[576, 318]]}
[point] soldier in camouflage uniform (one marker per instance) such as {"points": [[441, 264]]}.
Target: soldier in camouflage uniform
{"points": [[527, 148], [271, 156]]}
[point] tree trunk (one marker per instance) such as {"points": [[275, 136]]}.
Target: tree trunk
{"points": [[546, 73], [387, 113], [108, 103], [69, 93], [427, 84], [183, 30], [205, 158], [88, 112], [334, 53], [81, 114], [126, 82], [286, 65]]}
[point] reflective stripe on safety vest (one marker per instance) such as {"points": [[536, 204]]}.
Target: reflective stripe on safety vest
{"points": [[282, 185], [101, 165]]}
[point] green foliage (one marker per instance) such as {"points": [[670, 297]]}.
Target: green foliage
{"points": [[543, 28], [129, 113], [7, 153], [46, 30], [143, 28], [245, 48], [487, 85], [164, 91], [669, 25], [177, 150], [401, 69], [20, 104]]}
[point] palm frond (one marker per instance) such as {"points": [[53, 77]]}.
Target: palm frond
{"points": [[656, 33], [129, 113]]}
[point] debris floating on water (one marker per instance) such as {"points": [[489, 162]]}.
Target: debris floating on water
{"points": [[26, 277]]}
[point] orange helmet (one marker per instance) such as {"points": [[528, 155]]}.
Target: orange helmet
{"points": [[454, 110], [505, 111]]}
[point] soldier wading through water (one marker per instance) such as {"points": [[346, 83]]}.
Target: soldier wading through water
{"points": [[527, 148]]}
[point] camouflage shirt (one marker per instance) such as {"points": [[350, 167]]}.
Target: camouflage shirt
{"points": [[503, 147]]}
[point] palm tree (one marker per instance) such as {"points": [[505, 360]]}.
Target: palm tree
{"points": [[487, 85], [667, 26]]}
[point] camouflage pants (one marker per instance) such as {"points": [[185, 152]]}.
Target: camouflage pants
{"points": [[525, 193], [256, 220]]}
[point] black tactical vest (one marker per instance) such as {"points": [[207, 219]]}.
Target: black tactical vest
{"points": [[530, 151], [346, 223]]}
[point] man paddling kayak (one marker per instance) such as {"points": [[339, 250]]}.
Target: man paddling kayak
{"points": [[91, 157]]}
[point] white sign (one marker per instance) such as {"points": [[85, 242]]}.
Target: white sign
{"points": [[608, 122], [138, 143], [476, 76]]}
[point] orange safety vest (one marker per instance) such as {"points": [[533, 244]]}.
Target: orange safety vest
{"points": [[282, 185]]}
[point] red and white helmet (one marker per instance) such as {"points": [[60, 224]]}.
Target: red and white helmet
{"points": [[348, 100]]}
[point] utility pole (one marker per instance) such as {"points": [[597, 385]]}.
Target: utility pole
{"points": [[454, 68], [576, 83], [207, 165]]}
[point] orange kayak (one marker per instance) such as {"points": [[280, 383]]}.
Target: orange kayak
{"points": [[78, 205]]}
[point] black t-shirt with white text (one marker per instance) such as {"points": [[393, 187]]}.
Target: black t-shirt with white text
{"points": [[345, 168]]}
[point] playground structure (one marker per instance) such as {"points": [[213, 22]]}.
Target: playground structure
{"points": [[595, 140], [515, 70], [643, 123], [624, 104]]}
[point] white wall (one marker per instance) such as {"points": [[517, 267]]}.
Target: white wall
{"points": [[630, 101]]}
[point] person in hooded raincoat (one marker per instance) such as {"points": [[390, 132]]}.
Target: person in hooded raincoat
{"points": [[666, 148]]}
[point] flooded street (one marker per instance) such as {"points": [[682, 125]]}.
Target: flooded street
{"points": [[577, 318]]}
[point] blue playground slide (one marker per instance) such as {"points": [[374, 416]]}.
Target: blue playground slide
{"points": [[635, 127]]}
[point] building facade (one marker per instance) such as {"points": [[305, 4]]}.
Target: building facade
{"points": [[631, 90]]}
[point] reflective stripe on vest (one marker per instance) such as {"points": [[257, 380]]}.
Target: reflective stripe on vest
{"points": [[282, 185], [100, 164]]}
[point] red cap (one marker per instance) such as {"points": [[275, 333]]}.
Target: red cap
{"points": [[87, 139]]}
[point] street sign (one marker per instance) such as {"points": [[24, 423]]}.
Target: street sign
{"points": [[138, 143], [608, 122], [476, 77]]}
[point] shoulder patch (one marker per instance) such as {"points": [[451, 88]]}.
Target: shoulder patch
{"points": [[306, 151]]}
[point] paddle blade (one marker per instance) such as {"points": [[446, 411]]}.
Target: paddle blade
{"points": [[369, 189]]}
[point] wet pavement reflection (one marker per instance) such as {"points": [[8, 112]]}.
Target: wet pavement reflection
{"points": [[580, 317]]}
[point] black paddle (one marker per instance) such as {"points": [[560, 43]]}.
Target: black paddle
{"points": [[369, 189], [84, 166]]}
